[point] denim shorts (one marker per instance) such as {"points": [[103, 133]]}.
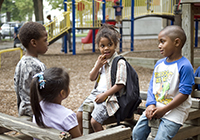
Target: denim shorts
{"points": [[166, 131]]}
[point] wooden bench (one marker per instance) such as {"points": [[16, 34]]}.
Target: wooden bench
{"points": [[191, 127], [27, 130]]}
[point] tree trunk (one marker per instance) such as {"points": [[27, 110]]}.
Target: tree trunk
{"points": [[1, 1], [38, 10], [8, 16]]}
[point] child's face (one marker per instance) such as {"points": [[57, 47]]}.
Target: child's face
{"points": [[106, 47], [166, 45], [42, 43]]}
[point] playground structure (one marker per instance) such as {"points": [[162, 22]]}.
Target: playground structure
{"points": [[90, 14]]}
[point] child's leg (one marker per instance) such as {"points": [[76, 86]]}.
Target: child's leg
{"points": [[96, 125], [99, 115], [141, 130], [167, 130], [79, 118]]}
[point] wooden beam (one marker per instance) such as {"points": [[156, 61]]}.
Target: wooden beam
{"points": [[31, 129], [188, 27], [190, 1], [187, 132], [115, 133], [193, 114], [197, 80]]}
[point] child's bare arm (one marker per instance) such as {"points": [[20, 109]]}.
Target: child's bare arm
{"points": [[100, 62], [103, 96], [75, 132], [179, 99]]}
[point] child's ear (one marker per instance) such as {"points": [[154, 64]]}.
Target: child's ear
{"points": [[177, 42], [33, 42], [62, 93]]}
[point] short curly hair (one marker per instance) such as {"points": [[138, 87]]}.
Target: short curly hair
{"points": [[30, 30], [108, 31]]}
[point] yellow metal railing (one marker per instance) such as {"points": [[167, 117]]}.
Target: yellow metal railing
{"points": [[9, 50], [58, 25], [159, 7], [142, 7]]}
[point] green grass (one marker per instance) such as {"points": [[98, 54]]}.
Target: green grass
{"points": [[81, 35]]}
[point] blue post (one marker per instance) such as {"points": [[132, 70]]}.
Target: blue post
{"points": [[121, 33], [132, 25], [104, 11], [196, 32], [65, 37], [73, 27], [93, 31], [172, 22]]}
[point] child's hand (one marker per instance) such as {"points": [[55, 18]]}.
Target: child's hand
{"points": [[101, 60], [149, 111], [159, 112], [100, 98]]}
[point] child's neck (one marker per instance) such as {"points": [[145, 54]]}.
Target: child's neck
{"points": [[31, 54]]}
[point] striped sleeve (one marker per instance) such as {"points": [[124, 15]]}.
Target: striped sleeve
{"points": [[121, 75]]}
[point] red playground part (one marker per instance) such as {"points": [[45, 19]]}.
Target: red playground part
{"points": [[112, 22], [88, 38]]}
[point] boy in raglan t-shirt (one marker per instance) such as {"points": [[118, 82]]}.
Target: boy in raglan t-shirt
{"points": [[170, 87]]}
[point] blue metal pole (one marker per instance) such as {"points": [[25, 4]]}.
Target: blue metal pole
{"points": [[65, 37], [104, 11], [172, 22], [121, 33], [73, 27], [196, 32], [93, 31], [132, 25]]}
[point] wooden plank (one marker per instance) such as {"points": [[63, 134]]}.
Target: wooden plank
{"points": [[193, 114], [195, 122], [154, 131], [195, 103], [30, 129], [150, 138], [87, 131], [196, 61], [197, 80], [86, 124], [86, 115], [23, 137], [196, 94], [154, 123], [115, 133], [144, 62], [88, 107], [187, 132], [190, 1], [188, 27], [143, 95]]}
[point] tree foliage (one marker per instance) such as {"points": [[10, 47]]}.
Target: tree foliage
{"points": [[17, 10], [24, 8], [57, 4]]}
